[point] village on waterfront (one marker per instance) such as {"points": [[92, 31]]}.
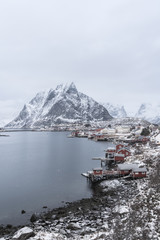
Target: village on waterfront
{"points": [[79, 120], [126, 189]]}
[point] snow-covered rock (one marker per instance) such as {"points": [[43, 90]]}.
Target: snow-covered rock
{"points": [[116, 111], [23, 233], [41, 235], [110, 184], [62, 105], [74, 226], [121, 209]]}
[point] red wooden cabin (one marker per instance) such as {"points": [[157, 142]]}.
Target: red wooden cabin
{"points": [[124, 151], [139, 172], [125, 168], [119, 157], [97, 171]]}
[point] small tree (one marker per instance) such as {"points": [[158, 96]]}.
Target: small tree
{"points": [[145, 132]]}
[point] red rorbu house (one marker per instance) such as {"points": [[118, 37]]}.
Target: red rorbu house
{"points": [[74, 133], [119, 157], [124, 151], [110, 153], [139, 172], [97, 171], [132, 170], [125, 169], [100, 137], [119, 146], [118, 154]]}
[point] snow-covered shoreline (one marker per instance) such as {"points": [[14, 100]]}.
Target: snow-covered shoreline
{"points": [[119, 209]]}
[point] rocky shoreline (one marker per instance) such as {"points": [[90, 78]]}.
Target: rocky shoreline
{"points": [[81, 217], [119, 210]]}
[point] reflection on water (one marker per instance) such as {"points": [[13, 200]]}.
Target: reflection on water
{"points": [[43, 169]]}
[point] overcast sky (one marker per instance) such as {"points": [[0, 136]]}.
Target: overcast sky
{"points": [[109, 49]]}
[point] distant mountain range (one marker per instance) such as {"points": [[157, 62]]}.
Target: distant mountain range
{"points": [[62, 105], [146, 111], [116, 111], [66, 104], [149, 112]]}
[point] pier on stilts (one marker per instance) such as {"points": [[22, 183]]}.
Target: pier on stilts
{"points": [[113, 166]]}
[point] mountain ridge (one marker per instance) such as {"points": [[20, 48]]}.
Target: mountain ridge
{"points": [[115, 110], [62, 105], [149, 112]]}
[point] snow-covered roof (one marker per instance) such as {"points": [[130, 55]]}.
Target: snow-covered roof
{"points": [[119, 155], [97, 169], [127, 166], [110, 149], [124, 148], [138, 169]]}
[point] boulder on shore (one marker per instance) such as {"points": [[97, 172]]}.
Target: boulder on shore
{"points": [[23, 234]]}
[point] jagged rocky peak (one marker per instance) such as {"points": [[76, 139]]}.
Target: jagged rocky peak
{"points": [[143, 108], [69, 88], [65, 104], [38, 98], [149, 112], [116, 111]]}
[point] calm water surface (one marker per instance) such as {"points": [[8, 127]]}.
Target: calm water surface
{"points": [[43, 169]]}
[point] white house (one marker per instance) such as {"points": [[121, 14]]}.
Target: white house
{"points": [[109, 131], [123, 129]]}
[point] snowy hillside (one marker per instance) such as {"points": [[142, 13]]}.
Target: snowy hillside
{"points": [[149, 112], [62, 105], [116, 111]]}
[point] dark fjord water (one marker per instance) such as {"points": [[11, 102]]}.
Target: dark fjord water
{"points": [[43, 169]]}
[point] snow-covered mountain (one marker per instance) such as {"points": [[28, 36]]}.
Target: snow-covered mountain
{"points": [[62, 105], [116, 111], [149, 112]]}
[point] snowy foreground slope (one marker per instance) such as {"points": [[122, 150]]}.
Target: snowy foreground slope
{"points": [[62, 105], [149, 112], [119, 210]]}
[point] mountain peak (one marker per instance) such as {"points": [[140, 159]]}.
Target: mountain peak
{"points": [[116, 111], [62, 105], [65, 87], [149, 112]]}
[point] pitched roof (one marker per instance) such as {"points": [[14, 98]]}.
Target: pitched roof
{"points": [[127, 166], [131, 166]]}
